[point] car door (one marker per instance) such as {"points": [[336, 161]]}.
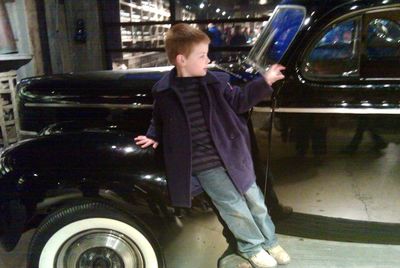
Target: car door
{"points": [[335, 146]]}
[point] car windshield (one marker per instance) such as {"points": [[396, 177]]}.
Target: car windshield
{"points": [[275, 39]]}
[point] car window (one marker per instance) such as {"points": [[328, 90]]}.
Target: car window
{"points": [[335, 54], [382, 48], [277, 36]]}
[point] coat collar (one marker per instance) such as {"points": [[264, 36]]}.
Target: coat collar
{"points": [[168, 81]]}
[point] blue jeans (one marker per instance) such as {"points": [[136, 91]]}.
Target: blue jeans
{"points": [[246, 215]]}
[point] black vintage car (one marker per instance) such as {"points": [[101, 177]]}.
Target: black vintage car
{"points": [[342, 79]]}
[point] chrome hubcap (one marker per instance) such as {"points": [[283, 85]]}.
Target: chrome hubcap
{"points": [[99, 249]]}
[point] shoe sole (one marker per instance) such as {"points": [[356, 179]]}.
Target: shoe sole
{"points": [[256, 266], [284, 263]]}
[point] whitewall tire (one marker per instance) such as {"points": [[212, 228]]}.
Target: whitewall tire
{"points": [[93, 234]]}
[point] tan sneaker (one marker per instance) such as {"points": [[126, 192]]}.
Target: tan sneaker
{"points": [[262, 260], [279, 254]]}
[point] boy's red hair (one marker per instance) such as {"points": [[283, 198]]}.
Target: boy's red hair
{"points": [[181, 38]]}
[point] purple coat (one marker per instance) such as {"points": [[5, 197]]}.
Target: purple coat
{"points": [[223, 108]]}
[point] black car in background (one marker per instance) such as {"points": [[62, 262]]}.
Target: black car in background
{"points": [[342, 79], [336, 114]]}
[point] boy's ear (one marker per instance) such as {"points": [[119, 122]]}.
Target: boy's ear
{"points": [[180, 59]]}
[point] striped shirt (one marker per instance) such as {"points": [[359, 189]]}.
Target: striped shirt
{"points": [[204, 153]]}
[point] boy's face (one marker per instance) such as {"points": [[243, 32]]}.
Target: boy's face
{"points": [[196, 63]]}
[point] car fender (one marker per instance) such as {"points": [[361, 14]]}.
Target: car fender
{"points": [[88, 162]]}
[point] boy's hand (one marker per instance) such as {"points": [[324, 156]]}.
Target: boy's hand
{"points": [[274, 74], [144, 142]]}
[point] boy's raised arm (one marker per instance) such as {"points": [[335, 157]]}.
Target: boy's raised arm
{"points": [[255, 91]]}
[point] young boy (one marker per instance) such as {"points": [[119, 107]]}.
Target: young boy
{"points": [[198, 118]]}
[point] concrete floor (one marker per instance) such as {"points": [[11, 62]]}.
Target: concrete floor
{"points": [[200, 244]]}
